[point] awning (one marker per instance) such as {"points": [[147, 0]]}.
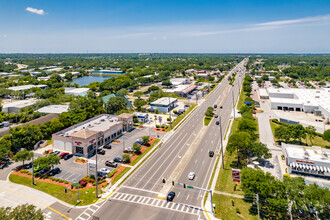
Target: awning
{"points": [[299, 165], [304, 166], [317, 168], [314, 168], [321, 168], [328, 169]]}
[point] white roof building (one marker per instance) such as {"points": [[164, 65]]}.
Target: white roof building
{"points": [[26, 87], [57, 109], [17, 105], [76, 91], [57, 69], [180, 81]]}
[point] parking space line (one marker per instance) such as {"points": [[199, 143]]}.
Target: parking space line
{"points": [[182, 208], [133, 197], [128, 198], [122, 196], [177, 207], [168, 205], [158, 202], [147, 202]]}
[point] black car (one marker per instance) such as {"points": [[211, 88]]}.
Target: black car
{"points": [[216, 116], [68, 156], [211, 153], [171, 196], [101, 151], [117, 159], [29, 165], [111, 164], [107, 146], [44, 170], [220, 107], [217, 122], [215, 106], [54, 171]]}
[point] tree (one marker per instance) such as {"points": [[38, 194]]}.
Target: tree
{"points": [[24, 211], [48, 161], [145, 139], [311, 133], [298, 132], [115, 104], [153, 88], [209, 112], [5, 146], [23, 155], [126, 158], [246, 124], [136, 148], [240, 142], [166, 83], [138, 103], [122, 92], [68, 76], [260, 150], [282, 132], [247, 88], [326, 135], [138, 94]]}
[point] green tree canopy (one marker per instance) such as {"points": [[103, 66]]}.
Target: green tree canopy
{"points": [[240, 142], [23, 155], [260, 150], [326, 135], [21, 212], [115, 104], [48, 161]]}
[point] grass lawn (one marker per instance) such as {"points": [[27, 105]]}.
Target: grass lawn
{"points": [[87, 196], [317, 141], [179, 120], [241, 100], [225, 210], [122, 173], [144, 153], [207, 120]]}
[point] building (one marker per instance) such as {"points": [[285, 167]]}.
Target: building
{"points": [[82, 139], [164, 105], [56, 69], [57, 109], [263, 94], [45, 78], [142, 117], [306, 100], [180, 81], [182, 90], [312, 161], [17, 106], [76, 91], [107, 97], [26, 87]]}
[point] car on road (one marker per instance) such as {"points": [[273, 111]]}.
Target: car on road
{"points": [[215, 106], [117, 159], [107, 146], [217, 122], [211, 153], [100, 151], [68, 156], [111, 164], [220, 107], [216, 116], [171, 196], [105, 170], [54, 171], [191, 175], [63, 154]]}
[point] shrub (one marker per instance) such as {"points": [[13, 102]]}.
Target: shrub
{"points": [[77, 186], [157, 126], [112, 173], [24, 171], [61, 181], [66, 182], [101, 181], [282, 156], [238, 211], [83, 182], [232, 202], [126, 158]]}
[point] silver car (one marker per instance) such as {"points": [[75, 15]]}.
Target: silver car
{"points": [[191, 175]]}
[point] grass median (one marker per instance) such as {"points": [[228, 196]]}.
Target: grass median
{"points": [[87, 196], [122, 173], [207, 120]]}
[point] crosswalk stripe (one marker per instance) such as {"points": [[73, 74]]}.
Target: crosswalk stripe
{"points": [[182, 208], [168, 204], [177, 207]]}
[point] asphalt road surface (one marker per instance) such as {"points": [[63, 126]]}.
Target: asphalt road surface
{"points": [[138, 198]]}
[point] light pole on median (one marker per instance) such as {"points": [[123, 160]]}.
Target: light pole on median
{"points": [[232, 91], [221, 145], [97, 173]]}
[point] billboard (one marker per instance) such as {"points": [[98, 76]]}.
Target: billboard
{"points": [[92, 167], [236, 173]]}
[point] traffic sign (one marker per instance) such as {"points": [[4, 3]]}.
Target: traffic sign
{"points": [[190, 187]]}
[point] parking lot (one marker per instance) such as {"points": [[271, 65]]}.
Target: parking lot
{"points": [[72, 171]]}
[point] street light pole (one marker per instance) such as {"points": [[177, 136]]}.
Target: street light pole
{"points": [[169, 109], [223, 165], [33, 169], [232, 91], [97, 175]]}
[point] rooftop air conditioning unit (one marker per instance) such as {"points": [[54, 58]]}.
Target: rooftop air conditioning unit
{"points": [[102, 119], [306, 154]]}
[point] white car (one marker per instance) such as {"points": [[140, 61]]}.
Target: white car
{"points": [[105, 170], [191, 175]]}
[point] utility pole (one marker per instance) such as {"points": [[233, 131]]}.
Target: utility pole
{"points": [[79, 193], [232, 91], [97, 175], [169, 109], [257, 197], [223, 165], [33, 169]]}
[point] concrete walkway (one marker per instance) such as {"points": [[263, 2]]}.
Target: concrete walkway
{"points": [[229, 194]]}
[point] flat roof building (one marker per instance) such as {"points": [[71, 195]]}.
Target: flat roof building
{"points": [[57, 109], [164, 105], [314, 161], [84, 138], [17, 105], [180, 81], [76, 91], [26, 87], [182, 90]]}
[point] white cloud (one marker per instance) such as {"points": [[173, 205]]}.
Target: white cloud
{"points": [[296, 21], [35, 11]]}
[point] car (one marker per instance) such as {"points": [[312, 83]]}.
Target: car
{"points": [[68, 156], [28, 166], [101, 175], [171, 196], [107, 146], [211, 153], [54, 171], [217, 122], [215, 106], [117, 159], [44, 170], [105, 170], [216, 116], [63, 154], [37, 168], [100, 151], [220, 107], [191, 175], [57, 152], [128, 150], [111, 164]]}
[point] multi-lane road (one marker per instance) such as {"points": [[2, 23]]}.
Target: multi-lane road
{"points": [[186, 150]]}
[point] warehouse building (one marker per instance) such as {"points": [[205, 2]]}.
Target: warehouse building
{"points": [[12, 107], [76, 91], [164, 105], [311, 161], [82, 139], [57, 109], [306, 100], [26, 87]]}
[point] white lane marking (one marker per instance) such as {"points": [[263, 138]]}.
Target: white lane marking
{"points": [[122, 196], [203, 162], [148, 200], [178, 195], [133, 198], [179, 156], [196, 161], [187, 197], [149, 191], [177, 207]]}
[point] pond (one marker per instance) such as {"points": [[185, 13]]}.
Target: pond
{"points": [[83, 81]]}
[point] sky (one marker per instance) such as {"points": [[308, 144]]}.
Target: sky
{"points": [[164, 26]]}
